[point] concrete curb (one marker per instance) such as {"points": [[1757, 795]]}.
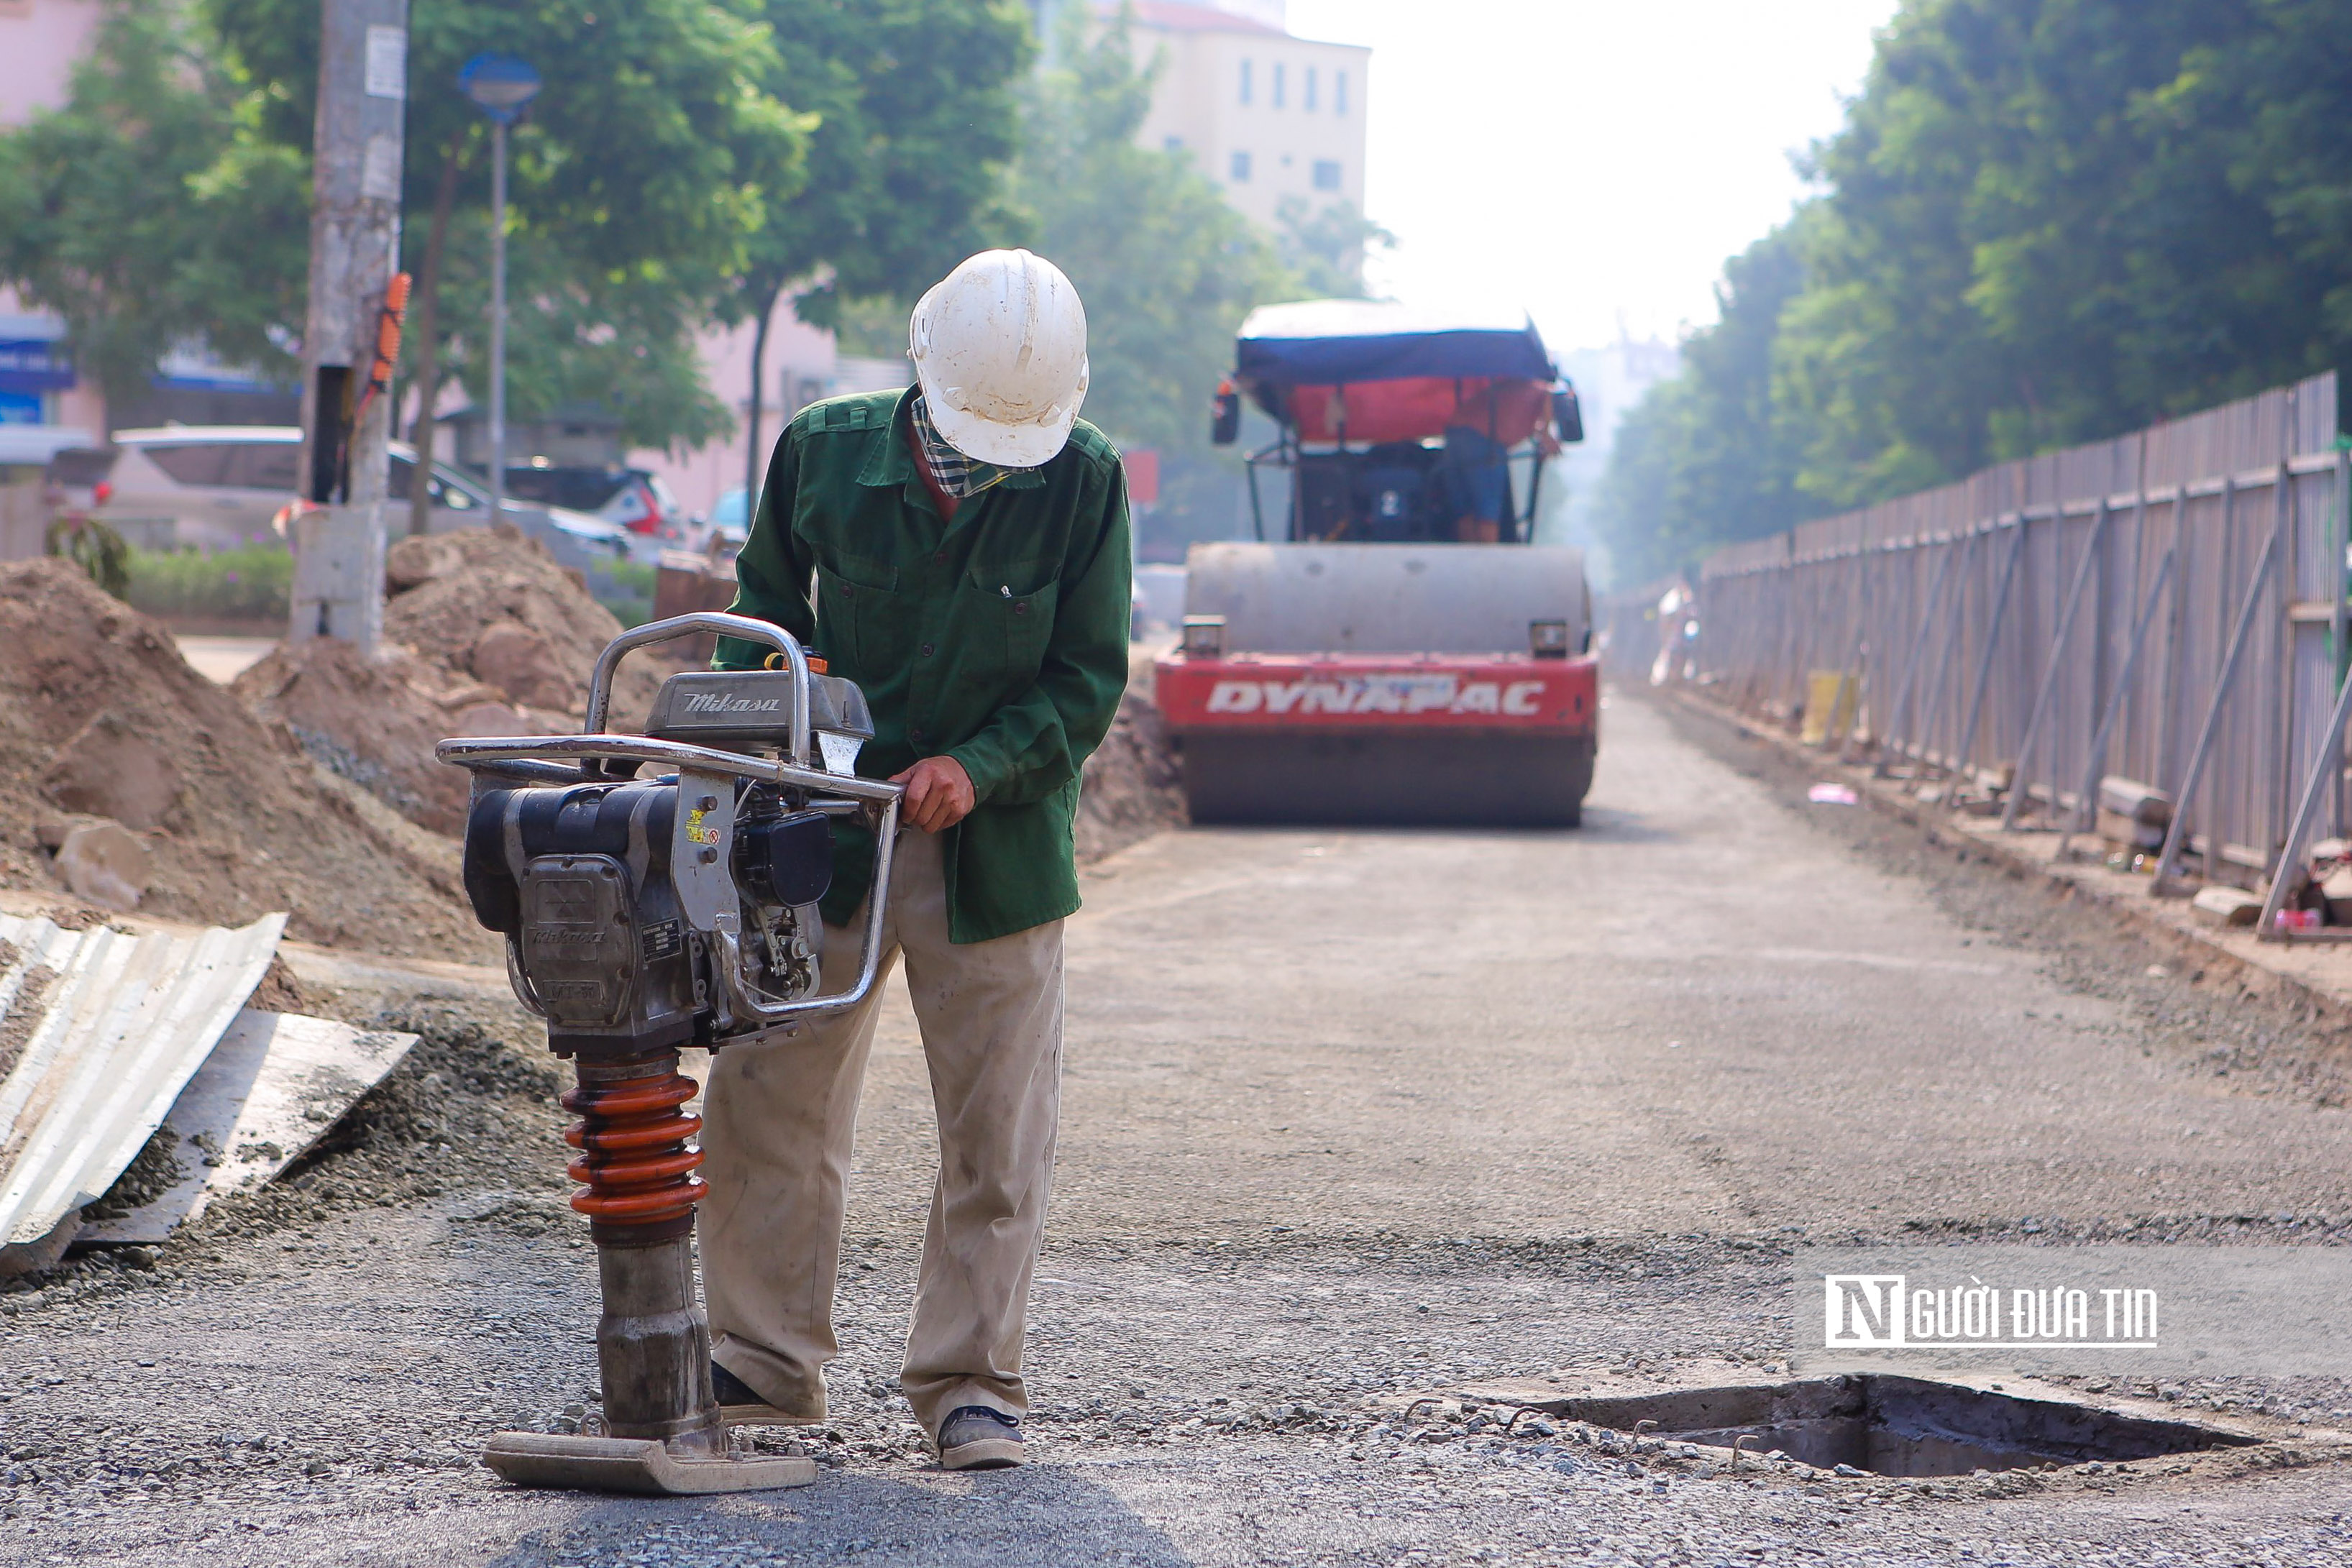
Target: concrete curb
{"points": [[2317, 977]]}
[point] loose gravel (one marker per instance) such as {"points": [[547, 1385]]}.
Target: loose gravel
{"points": [[1303, 1376]]}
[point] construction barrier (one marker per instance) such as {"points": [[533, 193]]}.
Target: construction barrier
{"points": [[1639, 633], [2166, 608]]}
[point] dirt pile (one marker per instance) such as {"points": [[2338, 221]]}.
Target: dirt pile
{"points": [[375, 725], [483, 635], [492, 615], [373, 722], [486, 635], [101, 717], [1132, 787]]}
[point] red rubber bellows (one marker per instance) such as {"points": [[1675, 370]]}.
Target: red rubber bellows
{"points": [[633, 1154]]}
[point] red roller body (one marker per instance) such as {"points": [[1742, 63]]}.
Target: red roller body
{"points": [[1368, 737]]}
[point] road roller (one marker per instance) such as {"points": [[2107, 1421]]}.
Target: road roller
{"points": [[1394, 648]]}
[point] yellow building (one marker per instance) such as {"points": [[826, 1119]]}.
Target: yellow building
{"points": [[1265, 115]]}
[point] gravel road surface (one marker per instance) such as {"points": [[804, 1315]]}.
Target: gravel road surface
{"points": [[1349, 1117]]}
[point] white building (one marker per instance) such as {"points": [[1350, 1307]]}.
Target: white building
{"points": [[1265, 115]]}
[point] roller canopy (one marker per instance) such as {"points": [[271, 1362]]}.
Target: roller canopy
{"points": [[1334, 341], [1506, 408]]}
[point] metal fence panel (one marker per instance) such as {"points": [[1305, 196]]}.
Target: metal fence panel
{"points": [[1951, 608]]}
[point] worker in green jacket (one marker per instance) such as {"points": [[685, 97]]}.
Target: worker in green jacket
{"points": [[959, 549]]}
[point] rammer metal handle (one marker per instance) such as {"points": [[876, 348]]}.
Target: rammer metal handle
{"points": [[600, 684]]}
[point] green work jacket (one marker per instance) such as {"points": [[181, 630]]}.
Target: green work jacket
{"points": [[999, 640]]}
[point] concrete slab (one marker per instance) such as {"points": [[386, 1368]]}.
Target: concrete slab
{"points": [[221, 660], [271, 1088]]}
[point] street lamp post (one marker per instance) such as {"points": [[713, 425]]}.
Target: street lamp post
{"points": [[501, 87]]}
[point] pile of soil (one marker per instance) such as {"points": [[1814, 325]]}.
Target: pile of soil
{"points": [[100, 715], [484, 634], [373, 722], [491, 613], [1132, 787]]}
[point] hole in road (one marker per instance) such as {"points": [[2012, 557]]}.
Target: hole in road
{"points": [[1894, 1425]]}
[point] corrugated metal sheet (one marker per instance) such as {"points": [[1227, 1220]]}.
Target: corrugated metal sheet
{"points": [[1952, 606], [99, 1032]]}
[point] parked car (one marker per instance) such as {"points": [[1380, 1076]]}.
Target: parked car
{"points": [[213, 487], [216, 487], [78, 475], [729, 521], [638, 499], [575, 538]]}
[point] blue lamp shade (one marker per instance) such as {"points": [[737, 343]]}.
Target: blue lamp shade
{"points": [[499, 85]]}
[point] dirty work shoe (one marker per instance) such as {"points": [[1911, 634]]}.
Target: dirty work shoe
{"points": [[739, 1405], [975, 1437]]}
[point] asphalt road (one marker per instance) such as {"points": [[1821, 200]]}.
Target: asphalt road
{"points": [[1347, 1116]]}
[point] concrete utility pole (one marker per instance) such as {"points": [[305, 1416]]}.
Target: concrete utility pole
{"points": [[354, 247]]}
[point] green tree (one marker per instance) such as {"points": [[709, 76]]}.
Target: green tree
{"points": [[914, 111], [624, 346], [146, 212], [2044, 222], [2259, 112], [638, 176], [1634, 505], [2020, 250], [1166, 267], [1326, 248], [1707, 456]]}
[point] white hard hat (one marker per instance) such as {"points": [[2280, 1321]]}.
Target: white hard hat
{"points": [[1000, 350]]}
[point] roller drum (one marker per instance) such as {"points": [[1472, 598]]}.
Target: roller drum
{"points": [[1386, 598]]}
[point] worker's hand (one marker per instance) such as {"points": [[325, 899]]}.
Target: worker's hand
{"points": [[939, 793]]}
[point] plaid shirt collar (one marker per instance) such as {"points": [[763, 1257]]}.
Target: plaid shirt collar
{"points": [[961, 476]]}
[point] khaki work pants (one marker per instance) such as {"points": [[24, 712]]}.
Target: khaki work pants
{"points": [[780, 1123]]}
